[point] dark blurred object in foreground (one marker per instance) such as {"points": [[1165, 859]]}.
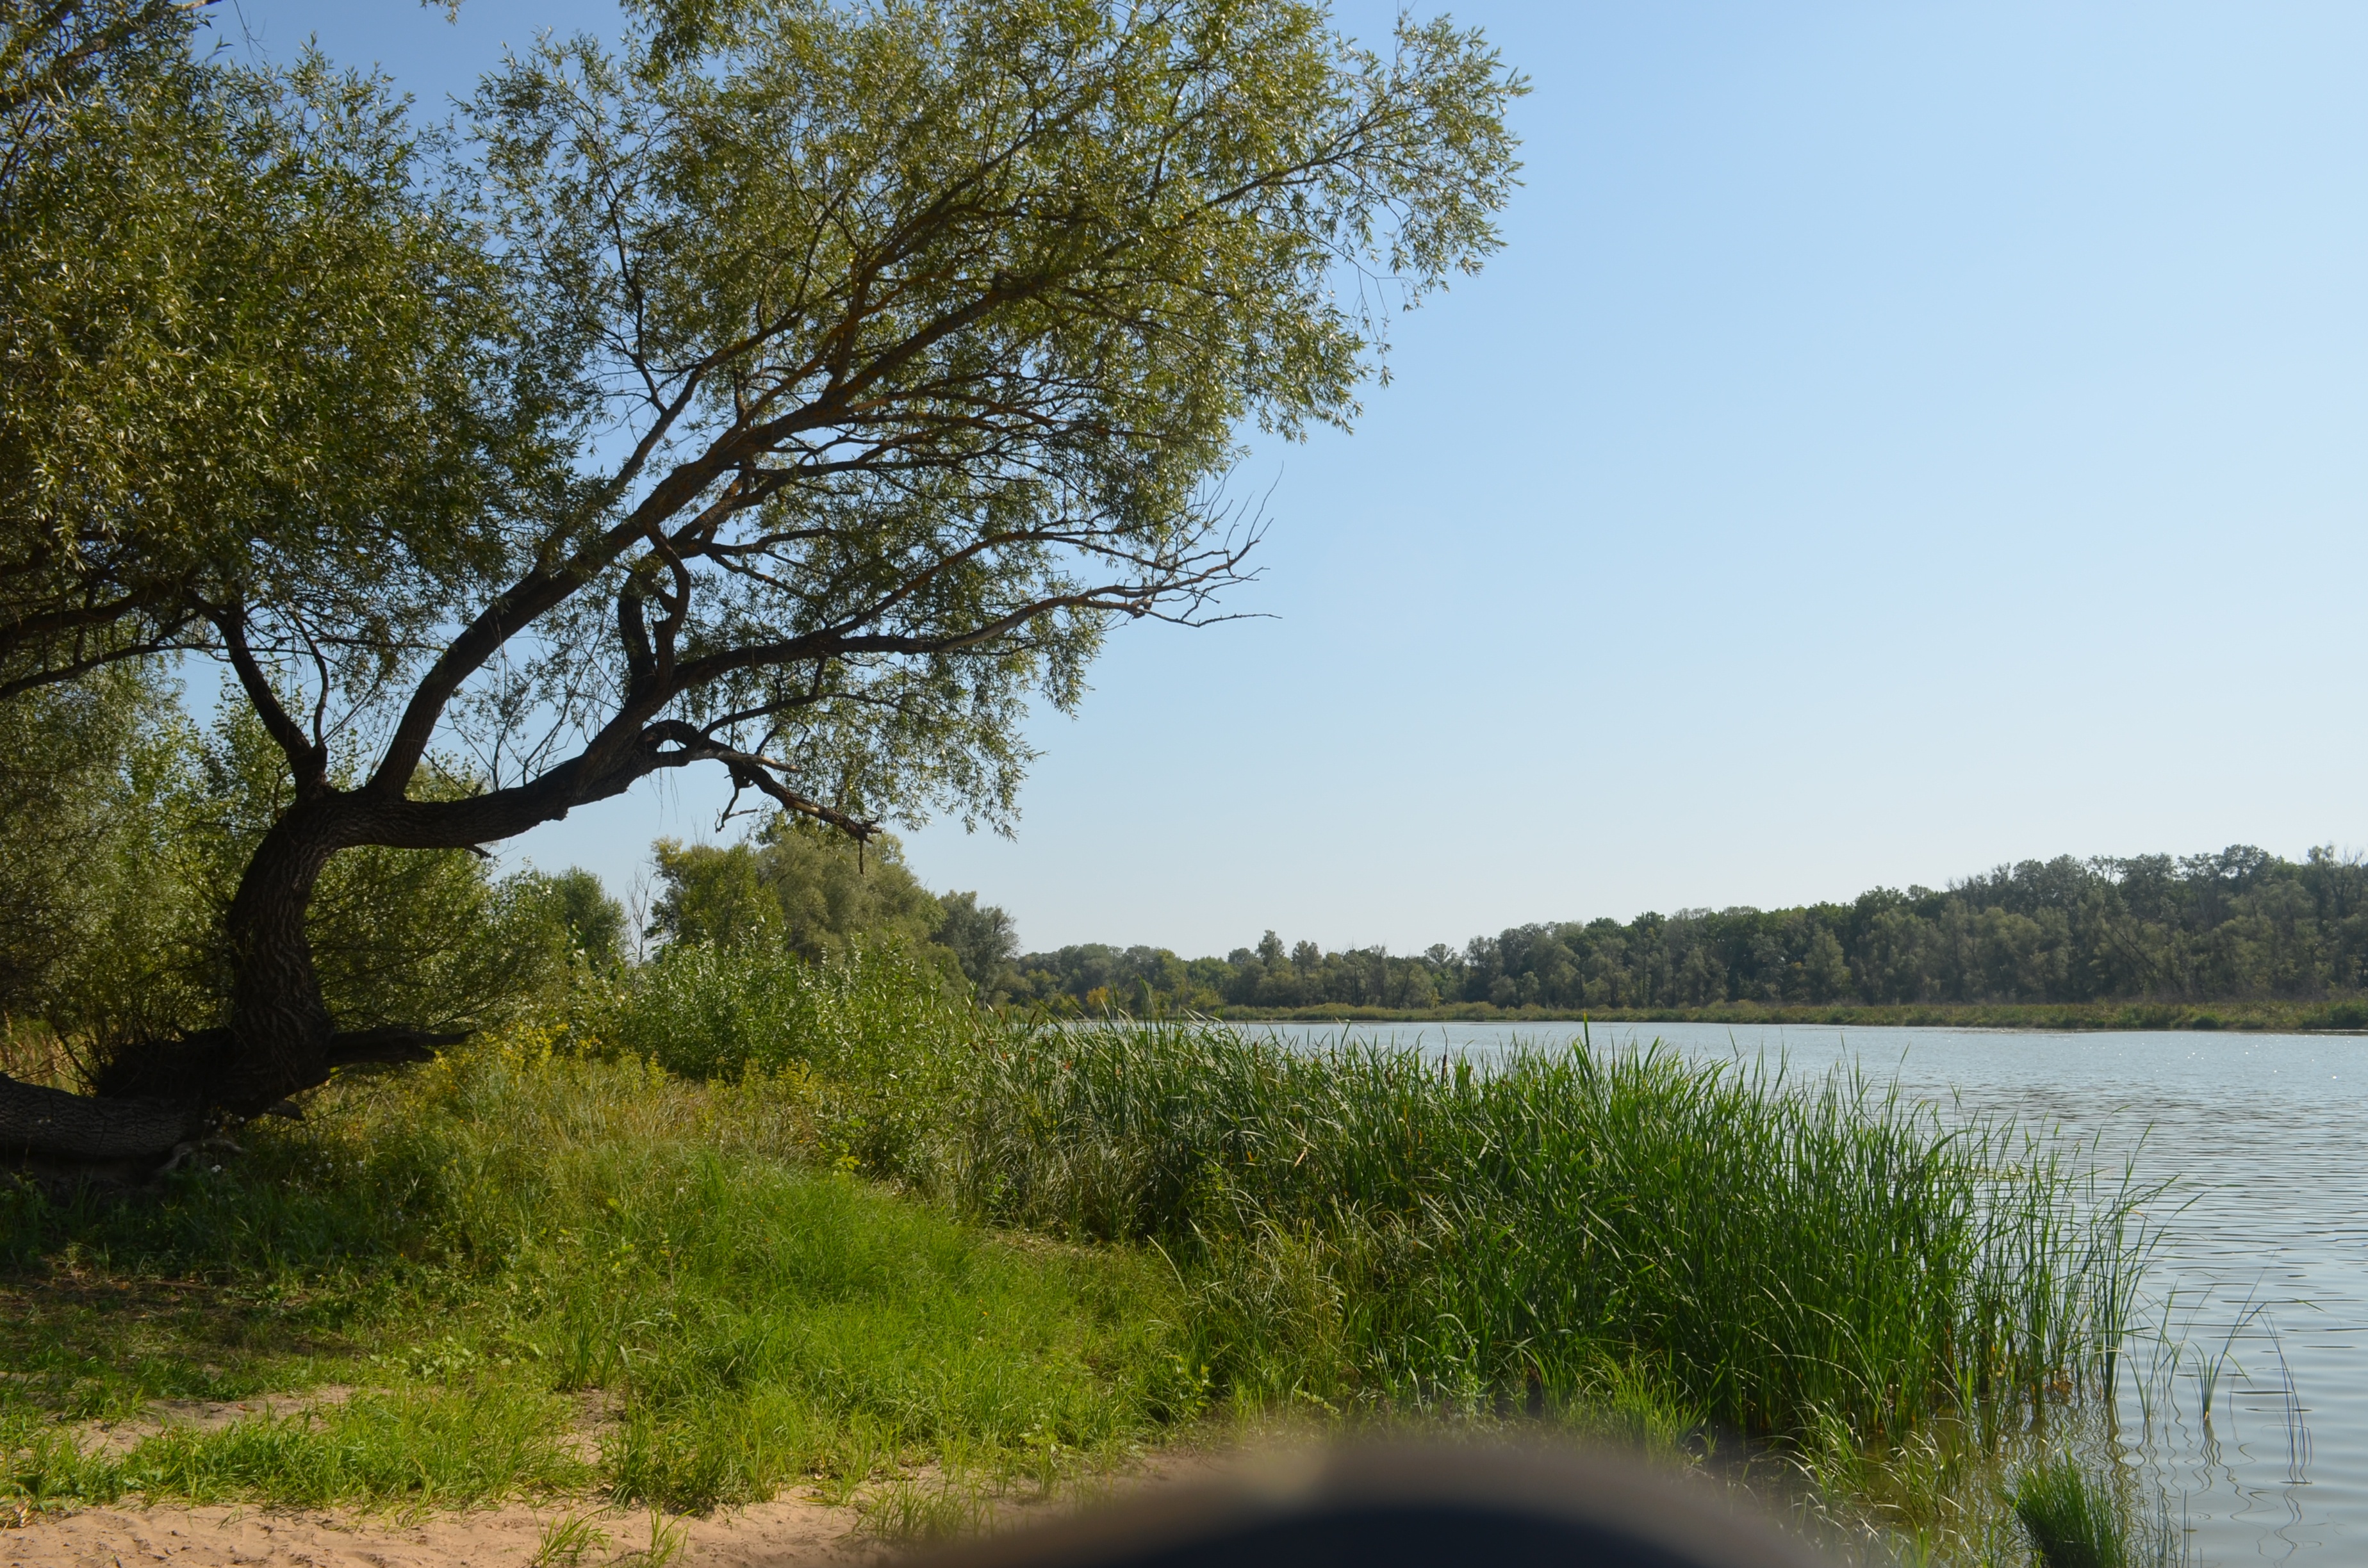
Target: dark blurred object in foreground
{"points": [[1380, 1508]]}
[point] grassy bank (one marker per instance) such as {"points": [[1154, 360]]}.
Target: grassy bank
{"points": [[553, 1275], [2343, 1014], [733, 1226]]}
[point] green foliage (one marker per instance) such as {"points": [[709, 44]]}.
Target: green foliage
{"points": [[1358, 1223], [129, 831], [2075, 1520], [566, 1541], [431, 1448], [930, 331], [1623, 1246], [945, 318], [429, 939], [245, 350], [427, 1448], [975, 300], [873, 1034], [595, 922], [425, 938], [2240, 923], [796, 885], [982, 939], [81, 769]]}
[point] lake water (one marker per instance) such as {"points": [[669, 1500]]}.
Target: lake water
{"points": [[2265, 1136]]}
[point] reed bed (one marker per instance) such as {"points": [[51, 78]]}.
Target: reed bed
{"points": [[2074, 1519], [1366, 1224], [872, 1038]]}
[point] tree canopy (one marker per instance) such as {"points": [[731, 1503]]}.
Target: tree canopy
{"points": [[249, 352], [795, 885], [796, 387]]}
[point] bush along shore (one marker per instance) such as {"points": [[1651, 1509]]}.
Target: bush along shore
{"points": [[737, 1223], [2343, 1014], [2241, 927]]}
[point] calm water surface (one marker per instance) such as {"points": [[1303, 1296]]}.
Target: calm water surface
{"points": [[2265, 1135]]}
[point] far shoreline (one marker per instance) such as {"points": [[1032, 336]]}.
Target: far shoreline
{"points": [[2343, 1016]]}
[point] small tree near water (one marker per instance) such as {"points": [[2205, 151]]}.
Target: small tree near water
{"points": [[836, 376]]}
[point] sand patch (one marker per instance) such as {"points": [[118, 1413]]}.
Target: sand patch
{"points": [[787, 1532], [783, 1532], [599, 1413]]}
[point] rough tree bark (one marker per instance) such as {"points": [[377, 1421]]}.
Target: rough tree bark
{"points": [[53, 1133]]}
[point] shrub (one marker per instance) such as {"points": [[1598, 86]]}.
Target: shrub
{"points": [[879, 1038]]}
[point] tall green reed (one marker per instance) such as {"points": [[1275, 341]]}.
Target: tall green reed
{"points": [[872, 1037], [2076, 1517], [1363, 1222]]}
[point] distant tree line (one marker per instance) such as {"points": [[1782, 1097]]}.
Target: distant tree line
{"points": [[123, 823], [2239, 924]]}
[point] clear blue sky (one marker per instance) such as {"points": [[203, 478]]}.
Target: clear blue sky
{"points": [[1894, 440]]}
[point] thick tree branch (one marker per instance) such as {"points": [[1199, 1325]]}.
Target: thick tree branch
{"points": [[42, 1126], [308, 760]]}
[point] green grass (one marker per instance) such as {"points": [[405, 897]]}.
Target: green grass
{"points": [[432, 1449], [506, 1240], [2074, 1518], [733, 1227]]}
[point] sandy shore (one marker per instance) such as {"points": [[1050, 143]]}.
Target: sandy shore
{"points": [[783, 1532]]}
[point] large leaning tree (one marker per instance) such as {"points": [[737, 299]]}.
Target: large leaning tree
{"points": [[834, 375]]}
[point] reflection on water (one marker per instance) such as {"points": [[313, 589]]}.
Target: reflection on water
{"points": [[2253, 1408]]}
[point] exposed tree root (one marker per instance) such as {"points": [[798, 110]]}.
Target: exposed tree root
{"points": [[62, 1139], [150, 1110]]}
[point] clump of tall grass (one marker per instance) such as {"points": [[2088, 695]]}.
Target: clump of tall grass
{"points": [[1362, 1223], [873, 1037], [2075, 1519]]}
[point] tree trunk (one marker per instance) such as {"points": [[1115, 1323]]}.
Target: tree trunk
{"points": [[155, 1099], [279, 1026], [278, 1041], [152, 1102]]}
